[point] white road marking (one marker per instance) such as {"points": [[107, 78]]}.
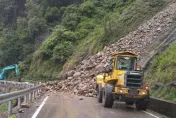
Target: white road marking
{"points": [[151, 114], [38, 110]]}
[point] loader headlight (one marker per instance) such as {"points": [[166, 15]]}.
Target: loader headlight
{"points": [[143, 92]]}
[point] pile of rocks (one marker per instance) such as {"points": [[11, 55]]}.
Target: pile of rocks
{"points": [[81, 80]]}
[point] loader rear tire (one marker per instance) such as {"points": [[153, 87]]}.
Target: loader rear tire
{"points": [[108, 99], [99, 93]]}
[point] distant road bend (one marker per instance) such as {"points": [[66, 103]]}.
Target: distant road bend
{"points": [[66, 106]]}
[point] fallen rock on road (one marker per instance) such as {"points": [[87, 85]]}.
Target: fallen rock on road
{"points": [[81, 98]]}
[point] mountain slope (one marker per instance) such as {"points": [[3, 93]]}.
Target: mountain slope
{"points": [[86, 29], [75, 32], [160, 73], [82, 79]]}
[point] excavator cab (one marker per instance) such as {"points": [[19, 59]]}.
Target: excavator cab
{"points": [[123, 83]]}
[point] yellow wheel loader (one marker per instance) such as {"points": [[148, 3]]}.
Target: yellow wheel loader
{"points": [[123, 81]]}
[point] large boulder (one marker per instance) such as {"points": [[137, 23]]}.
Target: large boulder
{"points": [[77, 74], [70, 73]]}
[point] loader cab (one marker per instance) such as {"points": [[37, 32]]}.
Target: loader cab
{"points": [[126, 61], [122, 63]]}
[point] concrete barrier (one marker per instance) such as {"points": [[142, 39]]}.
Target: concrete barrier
{"points": [[164, 107]]}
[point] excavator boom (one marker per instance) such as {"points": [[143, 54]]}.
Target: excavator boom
{"points": [[2, 73]]}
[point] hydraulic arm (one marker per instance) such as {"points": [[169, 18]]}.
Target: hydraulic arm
{"points": [[15, 67]]}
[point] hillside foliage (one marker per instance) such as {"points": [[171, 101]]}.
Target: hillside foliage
{"points": [[162, 70], [74, 31]]}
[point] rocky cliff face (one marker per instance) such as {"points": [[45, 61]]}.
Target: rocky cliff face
{"points": [[81, 80]]}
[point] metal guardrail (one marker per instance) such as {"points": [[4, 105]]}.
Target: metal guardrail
{"points": [[28, 95], [16, 84]]}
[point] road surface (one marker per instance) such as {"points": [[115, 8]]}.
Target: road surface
{"points": [[66, 106]]}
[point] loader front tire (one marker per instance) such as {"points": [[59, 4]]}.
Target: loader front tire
{"points": [[108, 99]]}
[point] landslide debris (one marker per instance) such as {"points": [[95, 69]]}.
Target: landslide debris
{"points": [[81, 80]]}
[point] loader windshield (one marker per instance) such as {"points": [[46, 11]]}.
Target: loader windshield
{"points": [[126, 63]]}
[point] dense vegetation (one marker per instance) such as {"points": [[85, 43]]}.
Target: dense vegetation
{"points": [[22, 23], [75, 31], [162, 69]]}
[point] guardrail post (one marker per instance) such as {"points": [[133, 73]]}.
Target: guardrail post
{"points": [[25, 99], [30, 97], [36, 92], [33, 95], [19, 103], [39, 90], [10, 108]]}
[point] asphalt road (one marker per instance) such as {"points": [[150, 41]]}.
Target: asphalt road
{"points": [[66, 106]]}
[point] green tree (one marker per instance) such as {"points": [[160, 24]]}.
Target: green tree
{"points": [[63, 51], [22, 28], [11, 48], [52, 14], [36, 25]]}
